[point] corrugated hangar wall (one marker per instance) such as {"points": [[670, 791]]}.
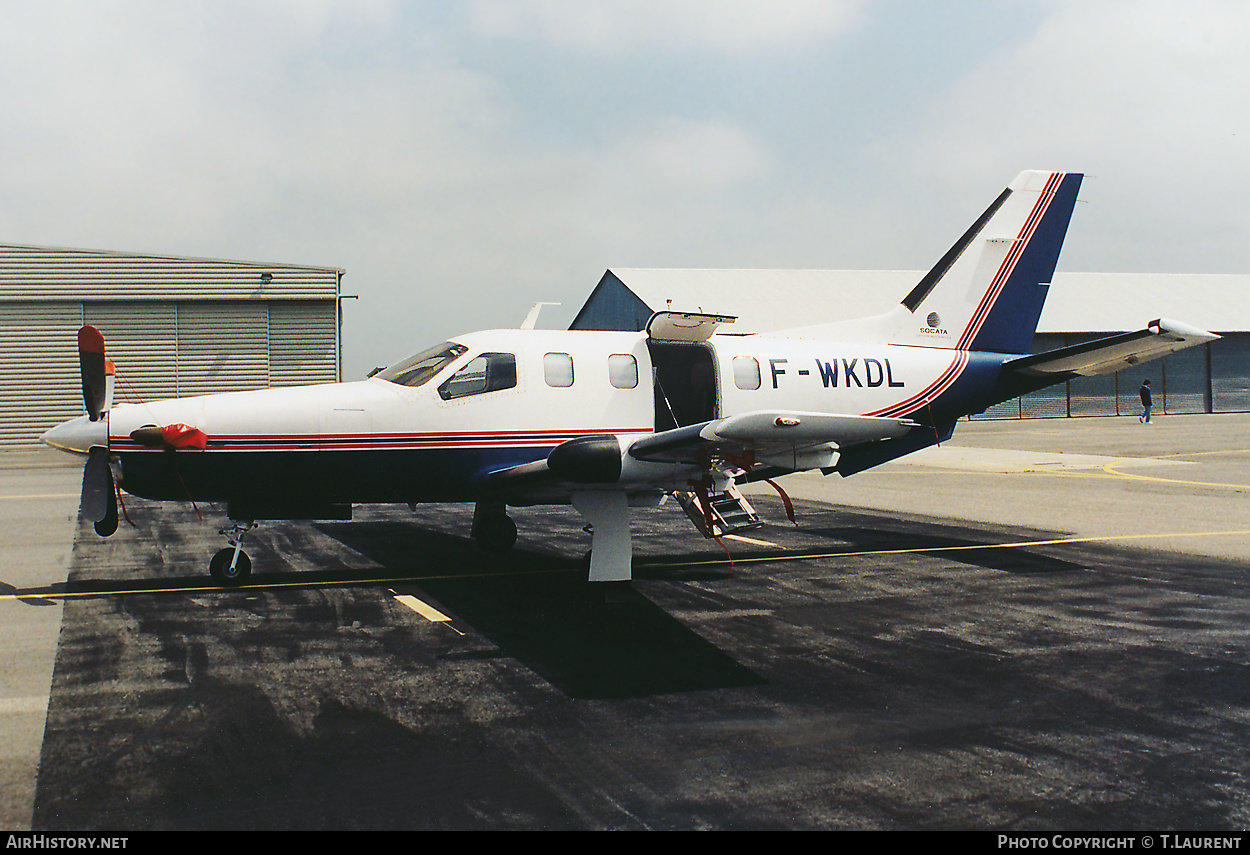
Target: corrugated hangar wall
{"points": [[173, 326], [1211, 378]]}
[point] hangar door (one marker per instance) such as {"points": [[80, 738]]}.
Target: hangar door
{"points": [[39, 381], [161, 349], [170, 350]]}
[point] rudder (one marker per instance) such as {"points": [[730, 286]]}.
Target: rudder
{"points": [[986, 293]]}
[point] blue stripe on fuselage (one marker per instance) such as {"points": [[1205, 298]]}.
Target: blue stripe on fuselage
{"points": [[982, 384], [971, 392], [976, 388]]}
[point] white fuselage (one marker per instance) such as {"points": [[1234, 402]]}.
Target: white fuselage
{"points": [[377, 440]]}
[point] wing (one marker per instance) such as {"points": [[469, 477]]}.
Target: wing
{"points": [[790, 440], [1108, 355], [786, 440]]}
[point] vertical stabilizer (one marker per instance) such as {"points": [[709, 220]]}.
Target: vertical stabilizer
{"points": [[986, 292]]}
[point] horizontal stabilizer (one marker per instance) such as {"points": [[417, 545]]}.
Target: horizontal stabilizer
{"points": [[1115, 353]]}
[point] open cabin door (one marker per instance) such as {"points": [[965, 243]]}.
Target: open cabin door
{"points": [[683, 367], [683, 362]]}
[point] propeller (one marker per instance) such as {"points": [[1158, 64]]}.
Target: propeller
{"points": [[99, 493], [89, 434]]}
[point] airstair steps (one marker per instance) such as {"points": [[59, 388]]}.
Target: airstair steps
{"points": [[729, 512]]}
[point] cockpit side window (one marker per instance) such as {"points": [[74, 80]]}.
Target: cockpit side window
{"points": [[488, 372], [416, 370]]}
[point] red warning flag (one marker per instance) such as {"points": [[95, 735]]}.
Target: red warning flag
{"points": [[184, 436]]}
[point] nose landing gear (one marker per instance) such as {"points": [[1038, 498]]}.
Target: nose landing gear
{"points": [[231, 566]]}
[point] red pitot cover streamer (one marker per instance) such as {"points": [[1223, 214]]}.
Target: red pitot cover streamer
{"points": [[184, 436]]}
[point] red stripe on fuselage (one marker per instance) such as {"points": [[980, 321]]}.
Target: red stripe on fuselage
{"points": [[931, 392], [383, 441], [1009, 263]]}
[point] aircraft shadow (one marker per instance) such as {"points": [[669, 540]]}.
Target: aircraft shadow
{"points": [[31, 596], [540, 610]]}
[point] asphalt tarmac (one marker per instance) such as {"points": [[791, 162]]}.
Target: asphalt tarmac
{"points": [[1040, 626]]}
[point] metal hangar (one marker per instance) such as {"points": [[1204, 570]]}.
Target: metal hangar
{"points": [[174, 326]]}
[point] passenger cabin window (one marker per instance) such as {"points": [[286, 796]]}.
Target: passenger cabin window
{"points": [[623, 370], [416, 370], [746, 372], [486, 373], [558, 369]]}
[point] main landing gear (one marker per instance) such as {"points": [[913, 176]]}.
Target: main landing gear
{"points": [[231, 567], [611, 548], [607, 511], [492, 528]]}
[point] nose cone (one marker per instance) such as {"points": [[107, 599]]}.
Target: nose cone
{"points": [[78, 435]]}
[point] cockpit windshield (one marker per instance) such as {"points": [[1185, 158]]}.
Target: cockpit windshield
{"points": [[416, 370]]}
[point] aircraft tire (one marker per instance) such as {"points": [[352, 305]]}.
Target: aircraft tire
{"points": [[219, 568], [498, 533]]}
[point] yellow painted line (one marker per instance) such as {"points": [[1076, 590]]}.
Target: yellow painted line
{"points": [[1202, 453], [29, 496], [424, 609], [752, 540], [1111, 469], [276, 586], [940, 549], [702, 562]]}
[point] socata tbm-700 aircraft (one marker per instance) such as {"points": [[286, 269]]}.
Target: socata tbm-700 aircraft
{"points": [[610, 420]]}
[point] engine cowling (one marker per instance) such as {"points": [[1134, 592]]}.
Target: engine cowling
{"points": [[587, 460]]}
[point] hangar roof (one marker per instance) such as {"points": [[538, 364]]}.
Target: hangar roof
{"points": [[47, 273], [768, 300]]}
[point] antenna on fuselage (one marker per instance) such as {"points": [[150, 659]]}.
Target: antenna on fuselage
{"points": [[532, 318]]}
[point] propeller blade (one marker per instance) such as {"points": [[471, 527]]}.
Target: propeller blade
{"points": [[95, 391], [99, 498], [108, 525]]}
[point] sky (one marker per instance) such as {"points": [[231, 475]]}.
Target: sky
{"points": [[462, 161]]}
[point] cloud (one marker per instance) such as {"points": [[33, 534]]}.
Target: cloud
{"points": [[723, 26], [160, 120], [458, 182], [692, 156], [1149, 97]]}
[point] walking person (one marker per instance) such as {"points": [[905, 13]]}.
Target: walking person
{"points": [[1146, 402]]}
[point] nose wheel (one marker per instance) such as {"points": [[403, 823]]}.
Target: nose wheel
{"points": [[231, 566]]}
